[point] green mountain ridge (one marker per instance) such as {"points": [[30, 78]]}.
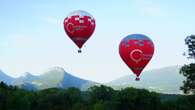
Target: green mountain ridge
{"points": [[55, 77], [164, 80]]}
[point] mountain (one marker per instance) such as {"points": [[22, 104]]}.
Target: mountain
{"points": [[5, 78], [26, 78], [164, 80], [72, 81], [53, 78], [25, 81]]}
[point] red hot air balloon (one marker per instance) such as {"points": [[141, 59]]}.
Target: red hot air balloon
{"points": [[136, 51], [79, 26]]}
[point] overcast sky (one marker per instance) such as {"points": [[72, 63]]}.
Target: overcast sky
{"points": [[32, 37]]}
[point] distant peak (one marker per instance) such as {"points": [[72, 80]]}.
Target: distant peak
{"points": [[56, 68], [27, 74], [1, 71]]}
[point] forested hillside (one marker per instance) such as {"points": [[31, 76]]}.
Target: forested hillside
{"points": [[95, 98]]}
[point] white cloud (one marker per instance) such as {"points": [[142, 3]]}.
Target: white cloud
{"points": [[52, 20], [154, 11], [150, 8]]}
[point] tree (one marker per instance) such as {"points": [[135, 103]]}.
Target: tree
{"points": [[101, 93], [138, 99], [3, 100], [3, 85], [189, 70], [53, 99], [99, 106]]}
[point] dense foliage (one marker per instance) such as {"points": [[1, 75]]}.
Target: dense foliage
{"points": [[96, 98], [189, 70]]}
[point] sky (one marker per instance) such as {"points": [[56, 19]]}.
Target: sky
{"points": [[32, 37]]}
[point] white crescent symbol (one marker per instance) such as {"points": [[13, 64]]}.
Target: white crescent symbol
{"points": [[134, 59], [68, 28]]}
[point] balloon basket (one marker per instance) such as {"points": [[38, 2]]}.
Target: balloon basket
{"points": [[137, 79], [79, 51]]}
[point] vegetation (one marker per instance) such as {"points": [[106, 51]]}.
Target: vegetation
{"points": [[96, 98], [189, 70]]}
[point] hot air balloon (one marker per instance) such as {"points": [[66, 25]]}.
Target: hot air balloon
{"points": [[79, 26], [136, 51]]}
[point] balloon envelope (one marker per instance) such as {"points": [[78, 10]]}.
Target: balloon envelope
{"points": [[136, 51], [79, 26]]}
